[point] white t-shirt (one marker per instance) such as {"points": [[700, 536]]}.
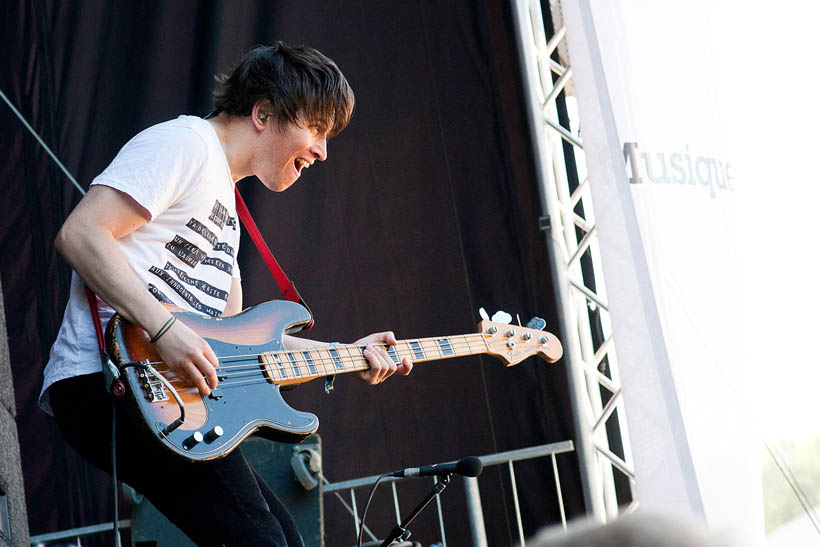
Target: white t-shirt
{"points": [[185, 255]]}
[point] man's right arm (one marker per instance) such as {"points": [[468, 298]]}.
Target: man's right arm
{"points": [[88, 242]]}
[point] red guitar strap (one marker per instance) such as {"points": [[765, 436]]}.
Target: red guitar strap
{"points": [[285, 285], [110, 372], [116, 388], [95, 315]]}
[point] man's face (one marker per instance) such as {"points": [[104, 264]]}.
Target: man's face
{"points": [[283, 152]]}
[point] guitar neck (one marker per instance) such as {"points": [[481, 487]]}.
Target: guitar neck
{"points": [[290, 367]]}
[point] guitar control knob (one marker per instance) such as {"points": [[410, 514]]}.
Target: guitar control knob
{"points": [[192, 441], [510, 333], [214, 434]]}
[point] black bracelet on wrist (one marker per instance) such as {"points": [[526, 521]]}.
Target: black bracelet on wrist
{"points": [[163, 329]]}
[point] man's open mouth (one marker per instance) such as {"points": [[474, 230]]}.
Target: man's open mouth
{"points": [[300, 164]]}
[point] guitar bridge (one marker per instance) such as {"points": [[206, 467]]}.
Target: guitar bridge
{"points": [[159, 392], [154, 390]]}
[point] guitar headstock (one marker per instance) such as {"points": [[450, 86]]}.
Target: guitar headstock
{"points": [[512, 344]]}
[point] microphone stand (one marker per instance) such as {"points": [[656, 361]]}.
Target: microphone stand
{"points": [[401, 532]]}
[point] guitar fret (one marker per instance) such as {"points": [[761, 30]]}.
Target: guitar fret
{"points": [[337, 360], [321, 362], [302, 362], [309, 361], [391, 351], [418, 352], [282, 370], [445, 347], [351, 357], [294, 365], [265, 362], [270, 366], [469, 347]]}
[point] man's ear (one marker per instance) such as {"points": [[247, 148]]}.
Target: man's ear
{"points": [[261, 115]]}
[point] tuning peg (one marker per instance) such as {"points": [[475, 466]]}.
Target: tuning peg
{"points": [[536, 323], [483, 314], [502, 317]]}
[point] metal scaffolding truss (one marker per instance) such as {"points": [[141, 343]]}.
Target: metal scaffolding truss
{"points": [[602, 440]]}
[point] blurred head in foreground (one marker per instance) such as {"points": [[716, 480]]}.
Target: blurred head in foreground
{"points": [[640, 529]]}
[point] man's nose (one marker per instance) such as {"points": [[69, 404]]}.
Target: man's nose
{"points": [[319, 149]]}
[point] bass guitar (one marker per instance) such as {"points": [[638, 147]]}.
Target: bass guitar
{"points": [[253, 365]]}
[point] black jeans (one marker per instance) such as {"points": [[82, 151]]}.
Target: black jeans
{"points": [[221, 502]]}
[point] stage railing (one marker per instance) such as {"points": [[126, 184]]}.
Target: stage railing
{"points": [[76, 534], [337, 489], [472, 492]]}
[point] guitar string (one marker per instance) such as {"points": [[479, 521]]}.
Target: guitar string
{"points": [[323, 361], [476, 338], [191, 388], [319, 363], [259, 379], [324, 364], [329, 364], [262, 378], [401, 352], [409, 352]]}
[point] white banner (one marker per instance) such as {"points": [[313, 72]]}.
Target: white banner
{"points": [[650, 79]]}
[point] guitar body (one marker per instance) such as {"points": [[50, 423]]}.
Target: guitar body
{"points": [[245, 402]]}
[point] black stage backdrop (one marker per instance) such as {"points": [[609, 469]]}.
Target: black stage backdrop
{"points": [[426, 210]]}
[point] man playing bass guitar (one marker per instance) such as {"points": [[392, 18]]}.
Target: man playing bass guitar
{"points": [[159, 226]]}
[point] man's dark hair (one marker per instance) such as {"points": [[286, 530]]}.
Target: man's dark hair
{"points": [[303, 86]]}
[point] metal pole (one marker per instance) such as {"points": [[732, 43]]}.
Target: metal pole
{"points": [[515, 503], [440, 521], [474, 512], [558, 256], [356, 519], [560, 494], [396, 502]]}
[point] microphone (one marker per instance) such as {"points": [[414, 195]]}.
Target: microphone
{"points": [[469, 467]]}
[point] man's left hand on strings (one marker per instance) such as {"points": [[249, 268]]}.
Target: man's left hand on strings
{"points": [[381, 365]]}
